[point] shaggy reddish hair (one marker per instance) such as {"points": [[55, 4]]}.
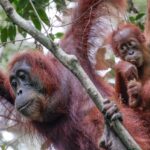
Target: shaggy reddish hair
{"points": [[41, 67], [135, 31]]}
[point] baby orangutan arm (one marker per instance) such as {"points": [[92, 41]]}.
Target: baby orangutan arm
{"points": [[134, 90]]}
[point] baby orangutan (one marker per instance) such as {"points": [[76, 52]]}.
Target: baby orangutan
{"points": [[133, 71]]}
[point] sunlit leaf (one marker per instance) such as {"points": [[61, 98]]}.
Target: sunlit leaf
{"points": [[3, 147], [59, 35]]}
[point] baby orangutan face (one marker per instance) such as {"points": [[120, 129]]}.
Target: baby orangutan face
{"points": [[130, 51], [129, 48]]}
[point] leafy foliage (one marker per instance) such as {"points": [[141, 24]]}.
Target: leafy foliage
{"points": [[138, 19], [11, 35], [9, 30]]}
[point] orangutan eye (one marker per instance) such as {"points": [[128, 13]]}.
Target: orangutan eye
{"points": [[22, 75], [14, 83], [132, 43], [123, 47]]}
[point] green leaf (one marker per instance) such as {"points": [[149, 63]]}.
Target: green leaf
{"points": [[141, 26], [22, 4], [12, 32], [36, 21], [43, 16], [59, 35], [60, 4], [132, 18], [3, 147], [4, 34], [139, 16], [14, 1], [40, 3]]}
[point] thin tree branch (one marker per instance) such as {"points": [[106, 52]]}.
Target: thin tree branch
{"points": [[72, 64], [131, 7]]}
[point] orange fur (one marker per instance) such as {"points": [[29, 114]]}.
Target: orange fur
{"points": [[136, 120]]}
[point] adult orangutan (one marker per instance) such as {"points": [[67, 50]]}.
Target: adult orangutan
{"points": [[54, 102]]}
